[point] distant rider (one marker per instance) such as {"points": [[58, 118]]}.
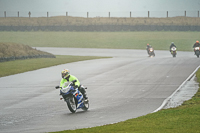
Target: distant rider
{"points": [[67, 77], [196, 44], [172, 45], [148, 46]]}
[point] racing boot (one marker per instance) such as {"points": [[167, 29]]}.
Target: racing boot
{"points": [[82, 89], [86, 98]]}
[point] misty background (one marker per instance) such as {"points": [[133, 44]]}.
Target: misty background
{"points": [[99, 8]]}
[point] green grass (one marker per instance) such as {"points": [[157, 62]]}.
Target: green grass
{"points": [[19, 66], [17, 50], [117, 40], [183, 119]]}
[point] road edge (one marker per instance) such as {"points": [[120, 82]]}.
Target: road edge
{"points": [[178, 89]]}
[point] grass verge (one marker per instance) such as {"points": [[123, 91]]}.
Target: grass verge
{"points": [[183, 119], [17, 50], [19, 66], [160, 40]]}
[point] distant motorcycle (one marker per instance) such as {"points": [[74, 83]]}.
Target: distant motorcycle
{"points": [[173, 51], [151, 52], [196, 51], [73, 97]]}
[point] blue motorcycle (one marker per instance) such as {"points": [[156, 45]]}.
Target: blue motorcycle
{"points": [[73, 97]]}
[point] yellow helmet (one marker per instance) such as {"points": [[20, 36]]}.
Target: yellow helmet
{"points": [[65, 73]]}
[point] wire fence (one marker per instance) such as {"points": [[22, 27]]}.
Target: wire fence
{"points": [[153, 14]]}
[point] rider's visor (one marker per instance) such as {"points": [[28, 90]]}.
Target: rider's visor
{"points": [[63, 75]]}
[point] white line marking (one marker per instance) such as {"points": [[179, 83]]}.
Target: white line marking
{"points": [[167, 99]]}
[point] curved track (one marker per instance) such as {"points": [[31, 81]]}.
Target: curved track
{"points": [[123, 87]]}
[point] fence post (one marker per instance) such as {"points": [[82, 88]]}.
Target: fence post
{"points": [[185, 13], [87, 14], [109, 14], [167, 14], [130, 14], [18, 14], [47, 14], [29, 14], [198, 14], [148, 14], [66, 14], [5, 14]]}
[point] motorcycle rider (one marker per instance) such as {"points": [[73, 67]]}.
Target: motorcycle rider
{"points": [[172, 45], [148, 46], [196, 44], [67, 77]]}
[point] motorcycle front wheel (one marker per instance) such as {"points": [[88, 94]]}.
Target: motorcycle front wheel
{"points": [[71, 104], [197, 54]]}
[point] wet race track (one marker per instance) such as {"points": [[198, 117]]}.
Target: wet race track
{"points": [[123, 87]]}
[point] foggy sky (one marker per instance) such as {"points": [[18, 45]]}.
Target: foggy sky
{"points": [[96, 7]]}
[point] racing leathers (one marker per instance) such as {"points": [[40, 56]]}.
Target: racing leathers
{"points": [[77, 84], [196, 45], [148, 46], [172, 45]]}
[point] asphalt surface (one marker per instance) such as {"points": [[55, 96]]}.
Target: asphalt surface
{"points": [[126, 86]]}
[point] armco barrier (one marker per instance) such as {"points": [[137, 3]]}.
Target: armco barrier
{"points": [[111, 28]]}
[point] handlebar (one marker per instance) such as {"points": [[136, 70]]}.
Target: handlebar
{"points": [[57, 87]]}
